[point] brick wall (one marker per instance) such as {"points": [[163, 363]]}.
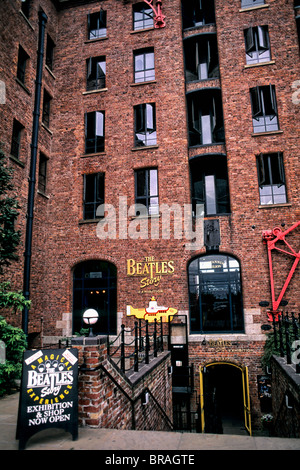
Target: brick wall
{"points": [[285, 398], [108, 399], [61, 239], [235, 353]]}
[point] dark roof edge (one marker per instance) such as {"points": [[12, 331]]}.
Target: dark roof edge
{"points": [[64, 4]]}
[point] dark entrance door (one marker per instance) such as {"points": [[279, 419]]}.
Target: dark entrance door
{"points": [[223, 399]]}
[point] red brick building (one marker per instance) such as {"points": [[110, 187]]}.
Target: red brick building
{"points": [[194, 117]]}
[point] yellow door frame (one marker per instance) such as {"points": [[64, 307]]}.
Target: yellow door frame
{"points": [[246, 395]]}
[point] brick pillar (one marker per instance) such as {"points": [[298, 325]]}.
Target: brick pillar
{"points": [[91, 352]]}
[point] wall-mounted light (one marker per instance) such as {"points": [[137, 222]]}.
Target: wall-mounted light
{"points": [[264, 303], [145, 398], [287, 403]]}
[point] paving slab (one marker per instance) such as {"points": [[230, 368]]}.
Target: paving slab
{"points": [[94, 439]]}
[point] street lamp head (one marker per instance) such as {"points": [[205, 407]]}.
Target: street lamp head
{"points": [[90, 317]]}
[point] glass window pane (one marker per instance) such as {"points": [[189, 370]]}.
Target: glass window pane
{"points": [[265, 193], [271, 123], [216, 305], [154, 208], [139, 77], [150, 117], [210, 193], [139, 62], [142, 17], [202, 71], [153, 183], [149, 75], [89, 188], [279, 199], [90, 125], [97, 25], [206, 129], [99, 124], [138, 16], [150, 60], [140, 183], [144, 66]]}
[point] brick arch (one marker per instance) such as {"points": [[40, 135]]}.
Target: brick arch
{"points": [[94, 283], [226, 362], [81, 259]]}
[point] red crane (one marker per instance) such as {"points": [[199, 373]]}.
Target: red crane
{"points": [[271, 237], [159, 18]]}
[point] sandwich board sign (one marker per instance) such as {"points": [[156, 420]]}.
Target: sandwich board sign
{"points": [[49, 393]]}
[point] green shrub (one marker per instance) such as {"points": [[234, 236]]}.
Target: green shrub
{"points": [[272, 347], [15, 343], [269, 350]]}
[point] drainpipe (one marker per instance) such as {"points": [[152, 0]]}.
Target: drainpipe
{"points": [[33, 160]]}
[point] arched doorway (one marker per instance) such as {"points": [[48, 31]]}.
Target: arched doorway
{"points": [[225, 404], [95, 286]]}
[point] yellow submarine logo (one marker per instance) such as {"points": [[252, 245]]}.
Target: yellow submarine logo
{"points": [[152, 311]]}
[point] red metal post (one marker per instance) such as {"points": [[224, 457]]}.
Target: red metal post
{"points": [[159, 18], [271, 237]]}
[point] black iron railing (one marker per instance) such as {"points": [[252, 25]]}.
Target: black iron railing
{"points": [[286, 338], [186, 421], [137, 345]]}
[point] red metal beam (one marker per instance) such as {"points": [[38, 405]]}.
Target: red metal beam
{"points": [[271, 237], [159, 18]]}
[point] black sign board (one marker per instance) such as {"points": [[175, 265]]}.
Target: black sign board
{"points": [[49, 393]]}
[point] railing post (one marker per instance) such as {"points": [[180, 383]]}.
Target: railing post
{"points": [[161, 336], [140, 336], [192, 377], [136, 348], [147, 344], [154, 338], [287, 339], [123, 348], [280, 336], [275, 333]]}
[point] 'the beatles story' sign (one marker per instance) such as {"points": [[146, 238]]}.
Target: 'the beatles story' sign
{"points": [[49, 393]]}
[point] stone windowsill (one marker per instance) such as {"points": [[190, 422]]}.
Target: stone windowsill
{"points": [[250, 66], [257, 7]]}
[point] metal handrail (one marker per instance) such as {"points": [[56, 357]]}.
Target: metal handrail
{"points": [[144, 344], [131, 400], [286, 334]]}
